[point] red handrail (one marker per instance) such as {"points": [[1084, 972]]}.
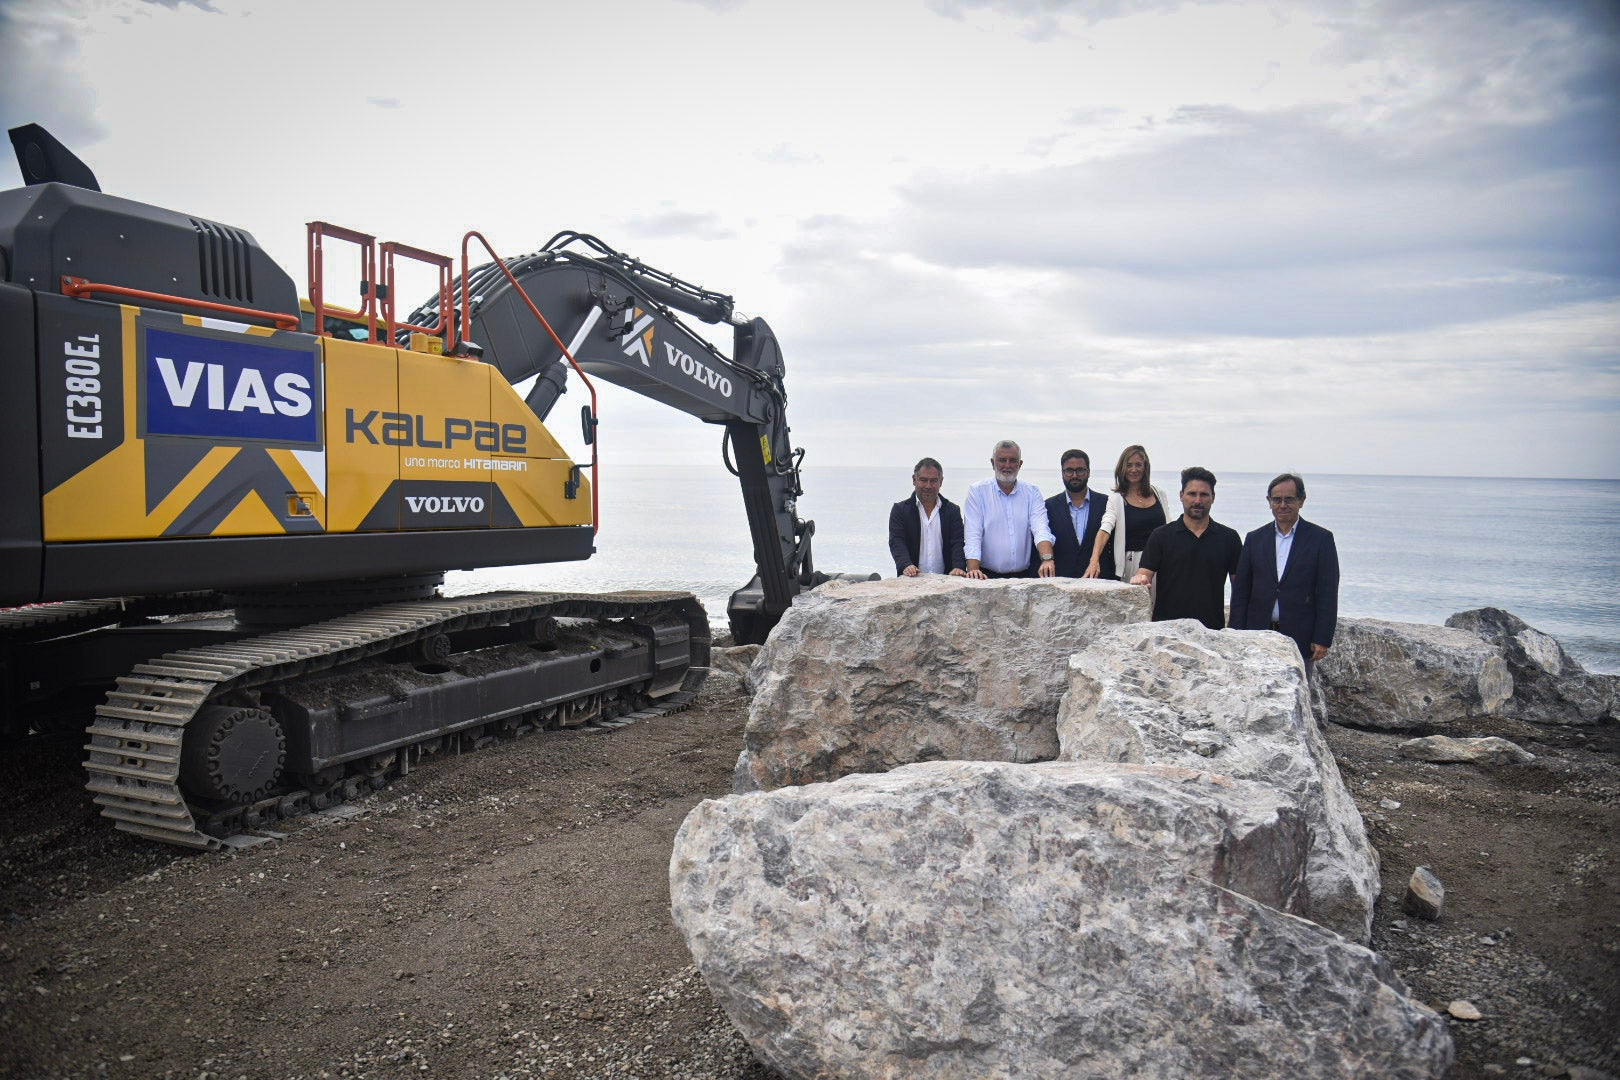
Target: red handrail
{"points": [[318, 230], [75, 286], [445, 265], [462, 330]]}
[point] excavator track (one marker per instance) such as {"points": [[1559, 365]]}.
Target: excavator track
{"points": [[135, 744], [39, 621]]}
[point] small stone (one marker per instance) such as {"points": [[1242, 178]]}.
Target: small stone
{"points": [[1425, 895], [1490, 750], [1464, 1010], [1494, 1069], [1204, 743], [1398, 924], [1524, 1062], [1389, 804]]}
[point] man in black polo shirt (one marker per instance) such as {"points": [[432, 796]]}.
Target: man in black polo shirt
{"points": [[1192, 557]]}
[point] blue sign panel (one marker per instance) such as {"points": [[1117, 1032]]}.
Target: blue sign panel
{"points": [[230, 388]]}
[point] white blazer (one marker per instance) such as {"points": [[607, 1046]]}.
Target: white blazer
{"points": [[1116, 514]]}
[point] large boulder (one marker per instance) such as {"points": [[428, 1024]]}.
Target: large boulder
{"points": [[1549, 685], [1082, 920], [1234, 702], [1399, 676], [861, 677]]}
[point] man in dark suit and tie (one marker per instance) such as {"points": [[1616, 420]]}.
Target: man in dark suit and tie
{"points": [[1074, 517], [1302, 601], [925, 531]]}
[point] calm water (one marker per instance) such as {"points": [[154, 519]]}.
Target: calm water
{"points": [[1410, 548]]}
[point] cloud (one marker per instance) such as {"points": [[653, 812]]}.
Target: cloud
{"points": [[671, 222], [1300, 220], [1043, 19], [39, 83], [783, 154]]}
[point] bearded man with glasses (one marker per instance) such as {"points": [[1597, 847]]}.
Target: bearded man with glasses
{"points": [[1288, 575], [1074, 518]]}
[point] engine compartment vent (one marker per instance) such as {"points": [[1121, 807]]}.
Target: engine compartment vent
{"points": [[223, 266]]}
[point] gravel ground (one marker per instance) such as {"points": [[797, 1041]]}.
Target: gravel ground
{"points": [[505, 914]]}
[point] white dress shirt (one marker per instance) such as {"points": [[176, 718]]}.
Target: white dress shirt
{"points": [[999, 525], [931, 545]]}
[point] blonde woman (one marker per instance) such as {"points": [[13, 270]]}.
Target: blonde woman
{"points": [[1135, 508]]}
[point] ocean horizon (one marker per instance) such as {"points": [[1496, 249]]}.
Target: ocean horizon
{"points": [[1411, 548]]}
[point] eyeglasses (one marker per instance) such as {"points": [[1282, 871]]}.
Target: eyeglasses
{"points": [[1284, 500], [1076, 472]]}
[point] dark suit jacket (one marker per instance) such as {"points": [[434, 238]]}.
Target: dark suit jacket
{"points": [[1308, 593], [905, 534], [1072, 554]]}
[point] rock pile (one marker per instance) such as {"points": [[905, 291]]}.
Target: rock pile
{"points": [[1484, 662], [1167, 901]]}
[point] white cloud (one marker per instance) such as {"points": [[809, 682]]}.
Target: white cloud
{"points": [[39, 84]]}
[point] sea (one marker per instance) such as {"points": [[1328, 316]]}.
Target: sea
{"points": [[1411, 548]]}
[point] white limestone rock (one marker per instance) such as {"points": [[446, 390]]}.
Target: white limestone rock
{"points": [[957, 920], [1399, 676], [1481, 750], [1549, 685], [735, 659], [861, 677], [1234, 702]]}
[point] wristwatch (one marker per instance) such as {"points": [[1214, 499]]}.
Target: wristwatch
{"points": [[1046, 558]]}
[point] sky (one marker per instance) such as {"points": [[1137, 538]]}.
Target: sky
{"points": [[1335, 237]]}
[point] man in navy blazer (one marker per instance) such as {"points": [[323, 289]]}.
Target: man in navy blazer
{"points": [[1074, 517], [1302, 602], [925, 531]]}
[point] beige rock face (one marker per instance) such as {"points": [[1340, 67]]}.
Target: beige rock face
{"points": [[861, 677], [1402, 676], [1084, 920], [1233, 702]]}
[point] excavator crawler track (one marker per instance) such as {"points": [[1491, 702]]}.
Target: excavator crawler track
{"points": [[135, 747], [39, 621]]}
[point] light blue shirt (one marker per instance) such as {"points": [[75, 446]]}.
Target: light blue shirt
{"points": [[1285, 544], [998, 525], [1080, 515]]}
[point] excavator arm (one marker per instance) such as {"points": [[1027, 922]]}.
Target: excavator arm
{"points": [[621, 320]]}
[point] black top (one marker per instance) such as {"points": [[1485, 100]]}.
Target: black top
{"points": [[1140, 522], [1190, 571]]}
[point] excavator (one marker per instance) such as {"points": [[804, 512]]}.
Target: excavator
{"points": [[229, 509]]}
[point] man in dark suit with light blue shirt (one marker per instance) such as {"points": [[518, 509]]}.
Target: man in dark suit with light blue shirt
{"points": [[1302, 600], [1074, 517]]}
